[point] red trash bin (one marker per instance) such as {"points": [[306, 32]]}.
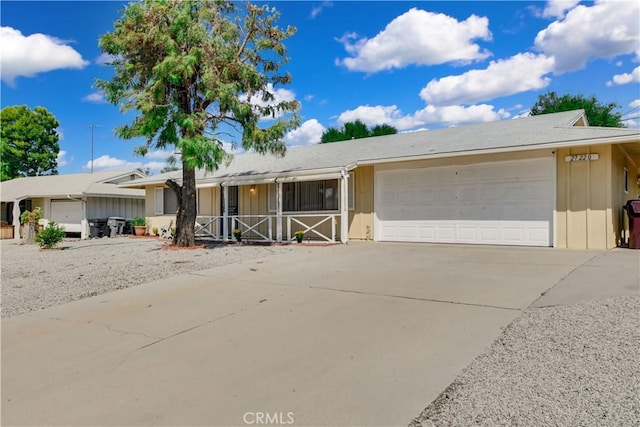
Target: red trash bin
{"points": [[633, 213]]}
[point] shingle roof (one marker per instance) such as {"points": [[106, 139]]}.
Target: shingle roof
{"points": [[535, 132], [74, 185]]}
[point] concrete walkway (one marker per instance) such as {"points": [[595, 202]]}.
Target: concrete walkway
{"points": [[364, 334]]}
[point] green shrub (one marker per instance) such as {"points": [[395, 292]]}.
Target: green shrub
{"points": [[138, 221], [31, 216], [50, 236]]}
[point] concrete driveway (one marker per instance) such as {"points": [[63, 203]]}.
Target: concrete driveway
{"points": [[362, 334]]}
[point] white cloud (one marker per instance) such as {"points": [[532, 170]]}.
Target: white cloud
{"points": [[520, 73], [417, 37], [160, 154], [635, 103], [308, 133], [61, 159], [105, 59], [557, 8], [95, 98], [108, 163], [378, 115], [605, 30], [458, 114], [315, 11], [430, 115], [625, 78], [279, 95], [26, 56]]}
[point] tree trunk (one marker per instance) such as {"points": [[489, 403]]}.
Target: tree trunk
{"points": [[30, 231], [186, 215]]}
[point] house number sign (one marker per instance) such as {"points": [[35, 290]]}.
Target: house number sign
{"points": [[581, 157]]}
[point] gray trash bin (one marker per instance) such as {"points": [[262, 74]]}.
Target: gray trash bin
{"points": [[115, 225]]}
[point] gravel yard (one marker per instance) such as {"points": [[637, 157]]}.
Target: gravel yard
{"points": [[574, 365], [33, 280]]}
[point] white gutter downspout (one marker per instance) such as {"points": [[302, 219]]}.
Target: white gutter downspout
{"points": [[278, 210], [344, 207]]}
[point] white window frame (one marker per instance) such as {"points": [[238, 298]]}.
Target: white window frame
{"points": [[272, 198], [626, 180], [158, 200]]}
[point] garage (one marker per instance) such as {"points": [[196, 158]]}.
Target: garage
{"points": [[67, 213], [502, 203]]}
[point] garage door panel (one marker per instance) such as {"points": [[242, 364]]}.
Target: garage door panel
{"points": [[68, 214], [494, 203]]}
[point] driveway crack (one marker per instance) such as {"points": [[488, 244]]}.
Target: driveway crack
{"points": [[415, 298], [562, 279], [91, 322]]}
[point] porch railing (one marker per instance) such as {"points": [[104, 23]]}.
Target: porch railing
{"points": [[301, 225], [262, 227]]}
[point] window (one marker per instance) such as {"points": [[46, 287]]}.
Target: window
{"points": [[166, 201], [626, 180], [306, 196]]}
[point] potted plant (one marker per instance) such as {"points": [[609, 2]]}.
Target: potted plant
{"points": [[154, 230], [139, 225], [299, 235], [237, 233]]}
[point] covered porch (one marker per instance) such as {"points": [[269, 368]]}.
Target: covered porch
{"points": [[275, 209]]}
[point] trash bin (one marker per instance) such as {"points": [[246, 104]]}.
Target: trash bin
{"points": [[633, 213], [115, 224], [128, 226], [97, 226]]}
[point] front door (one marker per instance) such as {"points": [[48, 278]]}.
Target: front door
{"points": [[232, 198]]}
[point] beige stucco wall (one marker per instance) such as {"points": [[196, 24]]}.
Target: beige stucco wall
{"points": [[590, 196], [361, 217], [583, 199], [620, 161]]}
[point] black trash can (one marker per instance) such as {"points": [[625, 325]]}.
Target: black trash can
{"points": [[97, 226], [633, 213]]}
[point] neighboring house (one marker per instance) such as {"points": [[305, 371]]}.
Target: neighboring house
{"points": [[70, 200], [547, 180]]}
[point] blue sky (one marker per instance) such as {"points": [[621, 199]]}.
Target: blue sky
{"points": [[414, 65]]}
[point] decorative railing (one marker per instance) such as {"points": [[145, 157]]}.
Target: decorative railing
{"points": [[262, 227], [302, 225]]}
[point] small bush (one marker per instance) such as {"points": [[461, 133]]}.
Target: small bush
{"points": [[138, 221], [50, 236], [32, 217]]}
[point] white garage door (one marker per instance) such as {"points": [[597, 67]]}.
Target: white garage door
{"points": [[502, 203], [67, 213]]}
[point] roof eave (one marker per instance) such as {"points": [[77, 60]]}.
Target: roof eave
{"points": [[563, 144]]}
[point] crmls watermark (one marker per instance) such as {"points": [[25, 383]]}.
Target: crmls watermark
{"points": [[268, 418]]}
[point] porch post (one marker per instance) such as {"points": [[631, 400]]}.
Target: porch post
{"points": [[344, 208], [84, 224], [16, 219], [225, 213], [278, 211]]}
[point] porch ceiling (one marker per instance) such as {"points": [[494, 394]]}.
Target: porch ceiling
{"points": [[633, 150]]}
